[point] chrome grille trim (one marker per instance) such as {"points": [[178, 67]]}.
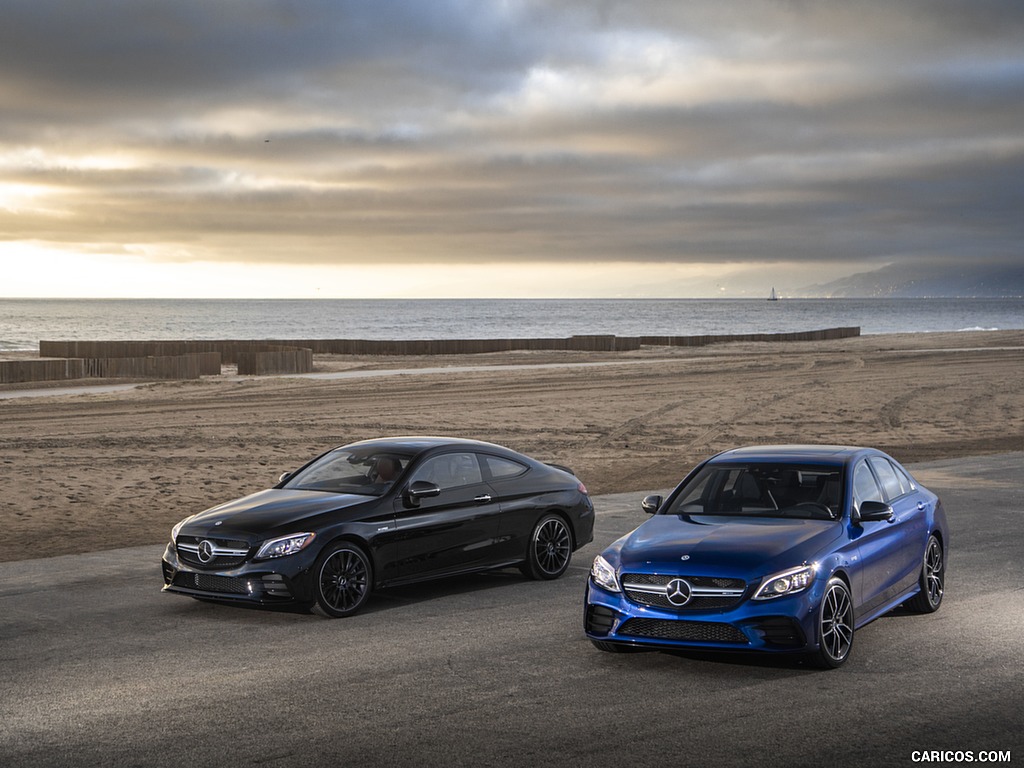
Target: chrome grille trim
{"points": [[706, 593], [662, 589], [215, 551]]}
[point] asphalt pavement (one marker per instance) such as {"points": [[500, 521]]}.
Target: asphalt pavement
{"points": [[99, 668]]}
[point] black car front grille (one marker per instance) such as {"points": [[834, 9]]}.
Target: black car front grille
{"points": [[220, 554], [208, 582], [671, 629], [710, 593]]}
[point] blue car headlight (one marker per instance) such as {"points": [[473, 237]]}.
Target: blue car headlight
{"points": [[786, 583], [604, 575], [285, 545]]}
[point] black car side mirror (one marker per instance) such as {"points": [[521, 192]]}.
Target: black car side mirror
{"points": [[872, 511], [651, 504], [420, 489]]}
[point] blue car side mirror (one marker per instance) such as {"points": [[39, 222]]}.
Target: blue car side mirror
{"points": [[871, 511], [651, 504]]}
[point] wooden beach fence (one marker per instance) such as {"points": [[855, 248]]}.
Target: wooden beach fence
{"points": [[826, 334], [253, 358], [19, 371], [192, 359]]}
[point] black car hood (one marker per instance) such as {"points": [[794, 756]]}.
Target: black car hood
{"points": [[267, 511], [726, 544]]}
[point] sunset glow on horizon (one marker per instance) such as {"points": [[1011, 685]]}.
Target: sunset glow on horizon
{"points": [[522, 149]]}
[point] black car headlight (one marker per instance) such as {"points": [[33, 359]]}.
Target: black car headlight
{"points": [[176, 528], [786, 583], [284, 545], [604, 575]]}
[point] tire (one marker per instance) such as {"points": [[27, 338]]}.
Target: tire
{"points": [[549, 550], [835, 626], [342, 580], [932, 580]]}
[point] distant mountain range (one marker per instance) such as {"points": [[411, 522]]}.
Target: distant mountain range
{"points": [[911, 281]]}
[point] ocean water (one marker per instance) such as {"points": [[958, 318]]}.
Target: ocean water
{"points": [[24, 322]]}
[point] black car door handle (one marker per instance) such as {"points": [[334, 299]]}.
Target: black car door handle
{"points": [[482, 499]]}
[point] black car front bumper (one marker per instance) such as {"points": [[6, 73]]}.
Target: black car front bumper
{"points": [[263, 583]]}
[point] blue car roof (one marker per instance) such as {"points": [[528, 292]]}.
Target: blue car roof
{"points": [[830, 453]]}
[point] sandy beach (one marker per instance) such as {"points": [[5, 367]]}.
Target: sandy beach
{"points": [[85, 472]]}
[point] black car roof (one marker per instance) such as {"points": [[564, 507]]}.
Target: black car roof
{"points": [[420, 443]]}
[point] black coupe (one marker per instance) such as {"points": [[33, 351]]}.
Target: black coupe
{"points": [[380, 513]]}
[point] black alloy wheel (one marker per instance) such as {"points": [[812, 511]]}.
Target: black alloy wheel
{"points": [[343, 579], [835, 625], [550, 549], [932, 579]]}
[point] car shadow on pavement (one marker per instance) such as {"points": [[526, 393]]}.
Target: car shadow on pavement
{"points": [[386, 599]]}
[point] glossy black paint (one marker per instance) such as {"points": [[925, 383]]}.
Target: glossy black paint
{"points": [[410, 529]]}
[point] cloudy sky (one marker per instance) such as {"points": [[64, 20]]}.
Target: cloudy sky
{"points": [[517, 148]]}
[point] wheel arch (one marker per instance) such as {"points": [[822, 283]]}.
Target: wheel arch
{"points": [[358, 541], [567, 519], [841, 573]]}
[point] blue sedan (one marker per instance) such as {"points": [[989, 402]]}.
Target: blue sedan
{"points": [[781, 549]]}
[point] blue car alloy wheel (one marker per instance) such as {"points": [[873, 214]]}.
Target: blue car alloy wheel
{"points": [[773, 549]]}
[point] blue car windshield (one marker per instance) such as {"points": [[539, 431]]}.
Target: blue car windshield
{"points": [[760, 489], [342, 471]]}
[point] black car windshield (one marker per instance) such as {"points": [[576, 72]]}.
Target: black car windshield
{"points": [[802, 491], [370, 473]]}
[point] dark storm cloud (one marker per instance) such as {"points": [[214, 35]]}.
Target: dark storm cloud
{"points": [[324, 132]]}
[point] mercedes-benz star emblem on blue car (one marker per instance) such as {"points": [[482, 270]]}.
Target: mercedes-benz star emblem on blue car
{"points": [[678, 591]]}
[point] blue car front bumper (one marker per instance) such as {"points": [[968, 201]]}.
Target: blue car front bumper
{"points": [[783, 625]]}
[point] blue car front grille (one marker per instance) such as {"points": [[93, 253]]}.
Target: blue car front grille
{"points": [[672, 629], [707, 593]]}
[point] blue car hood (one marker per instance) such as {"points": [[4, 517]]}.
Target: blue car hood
{"points": [[267, 511], [725, 546]]}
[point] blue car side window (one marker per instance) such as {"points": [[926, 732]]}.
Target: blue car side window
{"points": [[864, 486], [887, 475]]}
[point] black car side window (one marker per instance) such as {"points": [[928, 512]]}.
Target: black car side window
{"points": [[502, 469], [864, 486], [449, 470]]}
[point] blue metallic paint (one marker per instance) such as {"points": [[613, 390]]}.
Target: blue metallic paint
{"points": [[880, 561]]}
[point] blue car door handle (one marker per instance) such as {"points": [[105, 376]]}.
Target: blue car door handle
{"points": [[482, 499]]}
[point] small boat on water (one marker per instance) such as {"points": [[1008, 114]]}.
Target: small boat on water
{"points": [[774, 296]]}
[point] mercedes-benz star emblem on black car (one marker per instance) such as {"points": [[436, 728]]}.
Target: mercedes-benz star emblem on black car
{"points": [[205, 552], [380, 513]]}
